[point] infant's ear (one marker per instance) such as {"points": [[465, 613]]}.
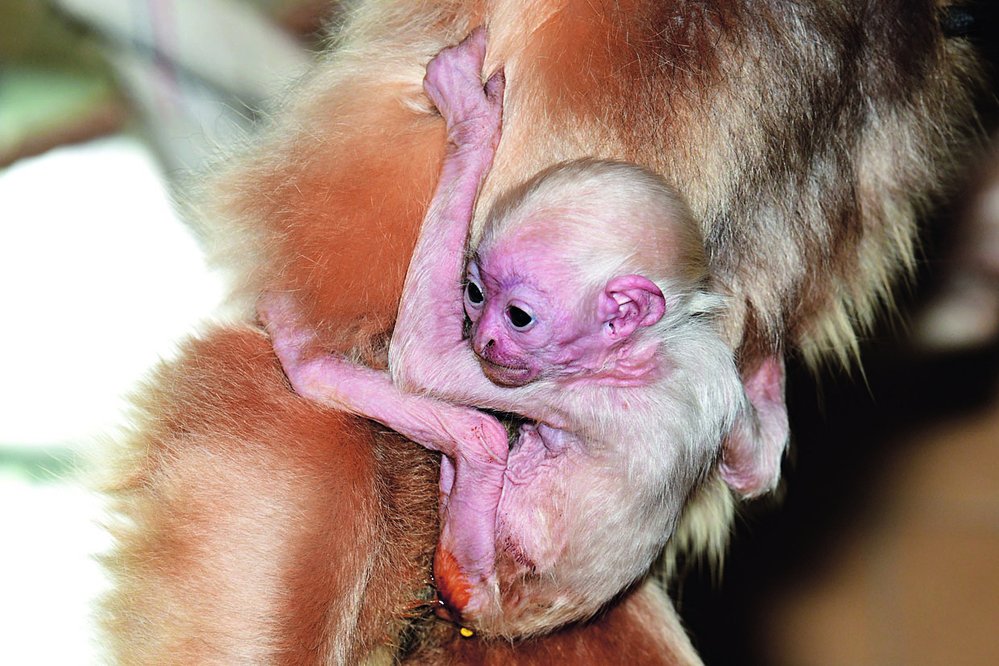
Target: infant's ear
{"points": [[629, 302]]}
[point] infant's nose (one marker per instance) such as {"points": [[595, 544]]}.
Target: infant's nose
{"points": [[483, 345]]}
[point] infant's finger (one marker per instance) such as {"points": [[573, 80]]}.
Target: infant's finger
{"points": [[495, 86]]}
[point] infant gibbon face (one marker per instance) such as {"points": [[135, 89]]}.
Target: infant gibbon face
{"points": [[533, 317]]}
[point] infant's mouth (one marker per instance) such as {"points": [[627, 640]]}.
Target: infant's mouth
{"points": [[505, 375]]}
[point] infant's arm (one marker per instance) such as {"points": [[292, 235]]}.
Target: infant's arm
{"points": [[428, 350], [455, 430]]}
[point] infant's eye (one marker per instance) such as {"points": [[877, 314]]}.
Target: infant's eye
{"points": [[518, 317], [474, 294]]}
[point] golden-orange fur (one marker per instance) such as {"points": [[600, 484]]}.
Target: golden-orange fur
{"points": [[256, 528], [259, 526]]}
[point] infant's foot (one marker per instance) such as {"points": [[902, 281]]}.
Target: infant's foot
{"points": [[464, 597]]}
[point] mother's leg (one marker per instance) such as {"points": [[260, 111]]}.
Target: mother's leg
{"points": [[256, 527]]}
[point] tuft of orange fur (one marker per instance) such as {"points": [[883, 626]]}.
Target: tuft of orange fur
{"points": [[806, 137]]}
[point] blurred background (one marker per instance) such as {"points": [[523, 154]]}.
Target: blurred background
{"points": [[104, 105], [882, 549]]}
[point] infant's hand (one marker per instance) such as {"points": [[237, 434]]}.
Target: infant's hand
{"points": [[481, 441], [276, 311], [293, 341], [453, 82]]}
